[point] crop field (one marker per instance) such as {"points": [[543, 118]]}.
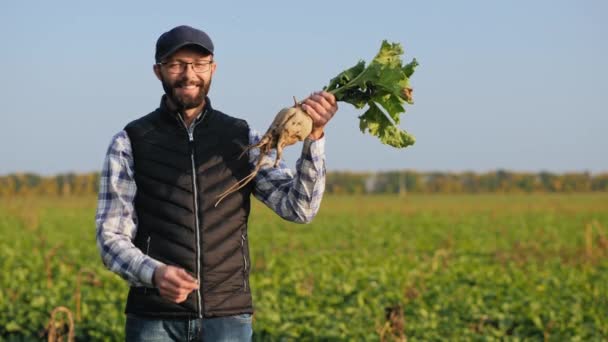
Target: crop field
{"points": [[513, 267]]}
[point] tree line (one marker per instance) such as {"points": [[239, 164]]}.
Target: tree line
{"points": [[387, 182], [464, 182]]}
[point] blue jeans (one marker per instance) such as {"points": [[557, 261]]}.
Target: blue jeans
{"points": [[230, 328]]}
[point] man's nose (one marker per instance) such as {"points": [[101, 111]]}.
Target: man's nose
{"points": [[189, 70]]}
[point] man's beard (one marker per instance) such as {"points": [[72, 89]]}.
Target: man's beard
{"points": [[186, 102]]}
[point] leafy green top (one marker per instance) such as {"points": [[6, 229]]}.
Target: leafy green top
{"points": [[383, 83]]}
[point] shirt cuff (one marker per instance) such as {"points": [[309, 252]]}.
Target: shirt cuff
{"points": [[147, 271], [314, 150]]}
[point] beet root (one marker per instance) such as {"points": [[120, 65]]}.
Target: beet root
{"points": [[289, 126]]}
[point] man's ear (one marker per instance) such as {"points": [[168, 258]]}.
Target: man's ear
{"points": [[156, 68], [213, 66]]}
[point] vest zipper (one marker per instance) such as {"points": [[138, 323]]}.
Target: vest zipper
{"points": [[190, 131], [196, 225]]}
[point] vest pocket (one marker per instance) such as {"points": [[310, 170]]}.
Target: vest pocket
{"points": [[148, 245], [147, 253], [244, 251]]}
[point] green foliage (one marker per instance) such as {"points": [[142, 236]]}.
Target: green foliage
{"points": [[502, 181], [387, 182], [453, 267], [383, 83], [47, 235]]}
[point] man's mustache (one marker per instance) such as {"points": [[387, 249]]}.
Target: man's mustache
{"points": [[183, 83]]}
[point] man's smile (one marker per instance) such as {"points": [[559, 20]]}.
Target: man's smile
{"points": [[188, 89]]}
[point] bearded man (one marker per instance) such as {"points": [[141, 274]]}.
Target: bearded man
{"points": [[187, 260]]}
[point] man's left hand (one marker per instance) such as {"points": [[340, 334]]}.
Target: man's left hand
{"points": [[321, 106]]}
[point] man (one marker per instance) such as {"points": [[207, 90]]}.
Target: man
{"points": [[187, 260]]}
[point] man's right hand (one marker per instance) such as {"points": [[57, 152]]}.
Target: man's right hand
{"points": [[174, 283]]}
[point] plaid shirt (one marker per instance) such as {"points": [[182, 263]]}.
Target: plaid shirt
{"points": [[293, 197]]}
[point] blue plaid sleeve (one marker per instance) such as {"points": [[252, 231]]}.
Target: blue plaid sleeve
{"points": [[116, 220], [296, 198]]}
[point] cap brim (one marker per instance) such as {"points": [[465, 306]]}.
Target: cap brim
{"points": [[177, 47]]}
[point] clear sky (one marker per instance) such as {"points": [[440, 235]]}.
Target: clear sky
{"points": [[519, 85]]}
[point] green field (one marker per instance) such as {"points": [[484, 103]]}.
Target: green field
{"points": [[419, 267]]}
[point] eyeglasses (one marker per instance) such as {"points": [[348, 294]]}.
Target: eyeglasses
{"points": [[179, 67]]}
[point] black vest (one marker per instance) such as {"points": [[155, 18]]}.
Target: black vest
{"points": [[178, 181]]}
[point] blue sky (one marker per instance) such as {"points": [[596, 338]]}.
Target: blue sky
{"points": [[518, 85]]}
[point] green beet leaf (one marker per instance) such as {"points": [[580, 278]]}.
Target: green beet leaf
{"points": [[383, 86]]}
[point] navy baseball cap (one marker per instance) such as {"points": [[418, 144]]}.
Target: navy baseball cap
{"points": [[178, 37]]}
